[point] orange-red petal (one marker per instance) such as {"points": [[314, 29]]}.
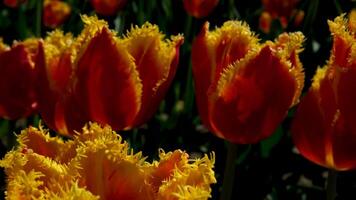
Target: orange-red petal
{"points": [[108, 86], [17, 78], [252, 98], [55, 12], [107, 7], [212, 53], [156, 62], [200, 8]]}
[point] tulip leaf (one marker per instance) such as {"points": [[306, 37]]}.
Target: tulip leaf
{"points": [[242, 156], [4, 128], [267, 145]]}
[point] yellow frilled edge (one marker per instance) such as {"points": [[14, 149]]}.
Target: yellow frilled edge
{"points": [[97, 164], [342, 27]]}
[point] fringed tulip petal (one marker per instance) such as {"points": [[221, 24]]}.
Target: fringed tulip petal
{"points": [[156, 62], [323, 129], [100, 77], [55, 12], [244, 89], [108, 82], [255, 104], [17, 78], [212, 53], [117, 172]]}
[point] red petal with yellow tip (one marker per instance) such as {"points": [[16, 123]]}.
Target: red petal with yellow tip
{"points": [[250, 106], [53, 83], [156, 62], [202, 69], [17, 78], [107, 7], [212, 53], [55, 13], [320, 131], [200, 8], [341, 51], [108, 85], [165, 169]]}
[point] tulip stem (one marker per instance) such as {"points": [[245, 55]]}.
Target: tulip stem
{"points": [[229, 173], [39, 6], [331, 185]]}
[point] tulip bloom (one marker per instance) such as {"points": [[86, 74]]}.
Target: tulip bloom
{"points": [[244, 89], [324, 128], [200, 8], [14, 3], [55, 12], [100, 77], [17, 79], [283, 10], [97, 164], [107, 7]]}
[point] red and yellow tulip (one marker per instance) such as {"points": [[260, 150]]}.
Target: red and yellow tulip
{"points": [[199, 8], [103, 78], [97, 164], [283, 10], [244, 89], [324, 128], [107, 7], [17, 79], [14, 3], [55, 12]]}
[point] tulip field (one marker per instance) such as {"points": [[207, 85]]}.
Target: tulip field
{"points": [[178, 99]]}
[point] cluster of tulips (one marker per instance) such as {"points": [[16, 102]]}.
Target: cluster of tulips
{"points": [[243, 88]]}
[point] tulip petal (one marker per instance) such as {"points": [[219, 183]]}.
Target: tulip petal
{"points": [[200, 8], [252, 97], [107, 82], [107, 7], [156, 61], [212, 53], [17, 96]]}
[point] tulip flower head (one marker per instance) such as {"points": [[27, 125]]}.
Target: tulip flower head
{"points": [[14, 3], [97, 164], [55, 12], [103, 78], [17, 79], [107, 7], [200, 8], [324, 128], [283, 10], [244, 89]]}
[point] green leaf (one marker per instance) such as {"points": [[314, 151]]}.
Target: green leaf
{"points": [[267, 145]]}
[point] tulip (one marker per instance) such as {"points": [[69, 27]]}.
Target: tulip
{"points": [[17, 78], [265, 22], [14, 3], [200, 8], [283, 10], [55, 13], [107, 7], [49, 168], [324, 128], [244, 89], [100, 77]]}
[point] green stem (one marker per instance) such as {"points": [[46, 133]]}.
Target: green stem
{"points": [[189, 95], [229, 173], [331, 185], [38, 25]]}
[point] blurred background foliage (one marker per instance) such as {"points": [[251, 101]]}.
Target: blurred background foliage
{"points": [[271, 169]]}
